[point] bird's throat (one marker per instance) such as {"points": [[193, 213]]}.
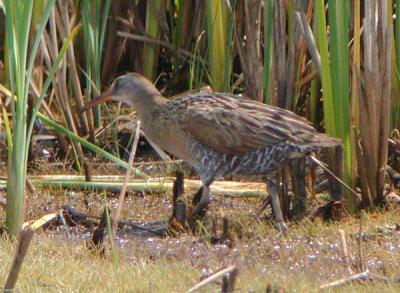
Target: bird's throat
{"points": [[148, 107]]}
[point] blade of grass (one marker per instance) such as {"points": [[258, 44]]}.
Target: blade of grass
{"points": [[150, 52], [268, 42], [397, 33], [94, 21], [329, 110], [7, 126], [216, 28], [50, 77], [18, 23], [355, 94], [61, 129], [339, 65], [395, 113], [197, 66], [84, 142], [336, 109]]}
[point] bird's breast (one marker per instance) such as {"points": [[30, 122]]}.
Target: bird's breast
{"points": [[171, 139]]}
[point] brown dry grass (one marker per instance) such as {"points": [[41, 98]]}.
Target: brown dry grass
{"points": [[309, 256]]}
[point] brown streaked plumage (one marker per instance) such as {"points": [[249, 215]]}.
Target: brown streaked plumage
{"points": [[218, 134]]}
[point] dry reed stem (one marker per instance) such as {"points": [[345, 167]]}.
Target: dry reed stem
{"points": [[364, 276], [117, 214], [345, 251], [250, 55], [322, 165], [64, 223], [309, 39], [73, 72], [360, 250], [25, 238], [375, 99], [182, 53], [57, 28]]}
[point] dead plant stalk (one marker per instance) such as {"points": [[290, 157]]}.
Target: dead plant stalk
{"points": [[118, 211]]}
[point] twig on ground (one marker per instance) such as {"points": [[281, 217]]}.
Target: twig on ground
{"points": [[82, 218], [36, 224], [324, 210], [227, 189], [62, 218], [153, 163], [212, 278], [345, 251], [24, 240], [360, 235], [364, 276], [30, 186]]}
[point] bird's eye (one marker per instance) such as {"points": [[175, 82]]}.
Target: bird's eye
{"points": [[117, 83]]}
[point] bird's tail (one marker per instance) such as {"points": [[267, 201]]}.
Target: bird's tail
{"points": [[325, 141]]}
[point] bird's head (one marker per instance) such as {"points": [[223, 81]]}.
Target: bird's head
{"points": [[129, 88]]}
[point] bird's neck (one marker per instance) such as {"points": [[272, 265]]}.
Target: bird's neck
{"points": [[149, 106]]}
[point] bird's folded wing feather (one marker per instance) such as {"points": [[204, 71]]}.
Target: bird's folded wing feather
{"points": [[237, 126]]}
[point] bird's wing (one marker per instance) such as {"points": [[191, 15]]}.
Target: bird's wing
{"points": [[236, 126]]}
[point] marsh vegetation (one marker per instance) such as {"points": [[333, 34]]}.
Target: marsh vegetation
{"points": [[333, 62]]}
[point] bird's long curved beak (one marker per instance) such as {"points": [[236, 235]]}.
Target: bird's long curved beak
{"points": [[106, 96]]}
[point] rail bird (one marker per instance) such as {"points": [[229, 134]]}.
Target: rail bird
{"points": [[219, 134]]}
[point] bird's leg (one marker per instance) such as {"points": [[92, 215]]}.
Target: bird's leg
{"points": [[272, 188], [201, 200], [197, 196]]}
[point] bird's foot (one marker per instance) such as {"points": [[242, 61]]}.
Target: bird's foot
{"points": [[272, 188], [200, 202], [200, 209], [282, 227]]}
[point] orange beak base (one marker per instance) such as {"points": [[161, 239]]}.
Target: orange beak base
{"points": [[106, 96]]}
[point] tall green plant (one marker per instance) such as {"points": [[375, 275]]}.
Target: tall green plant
{"points": [[395, 119], [268, 44], [18, 19], [150, 52], [397, 33], [217, 28], [94, 20], [18, 14], [339, 61], [197, 66], [335, 77]]}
